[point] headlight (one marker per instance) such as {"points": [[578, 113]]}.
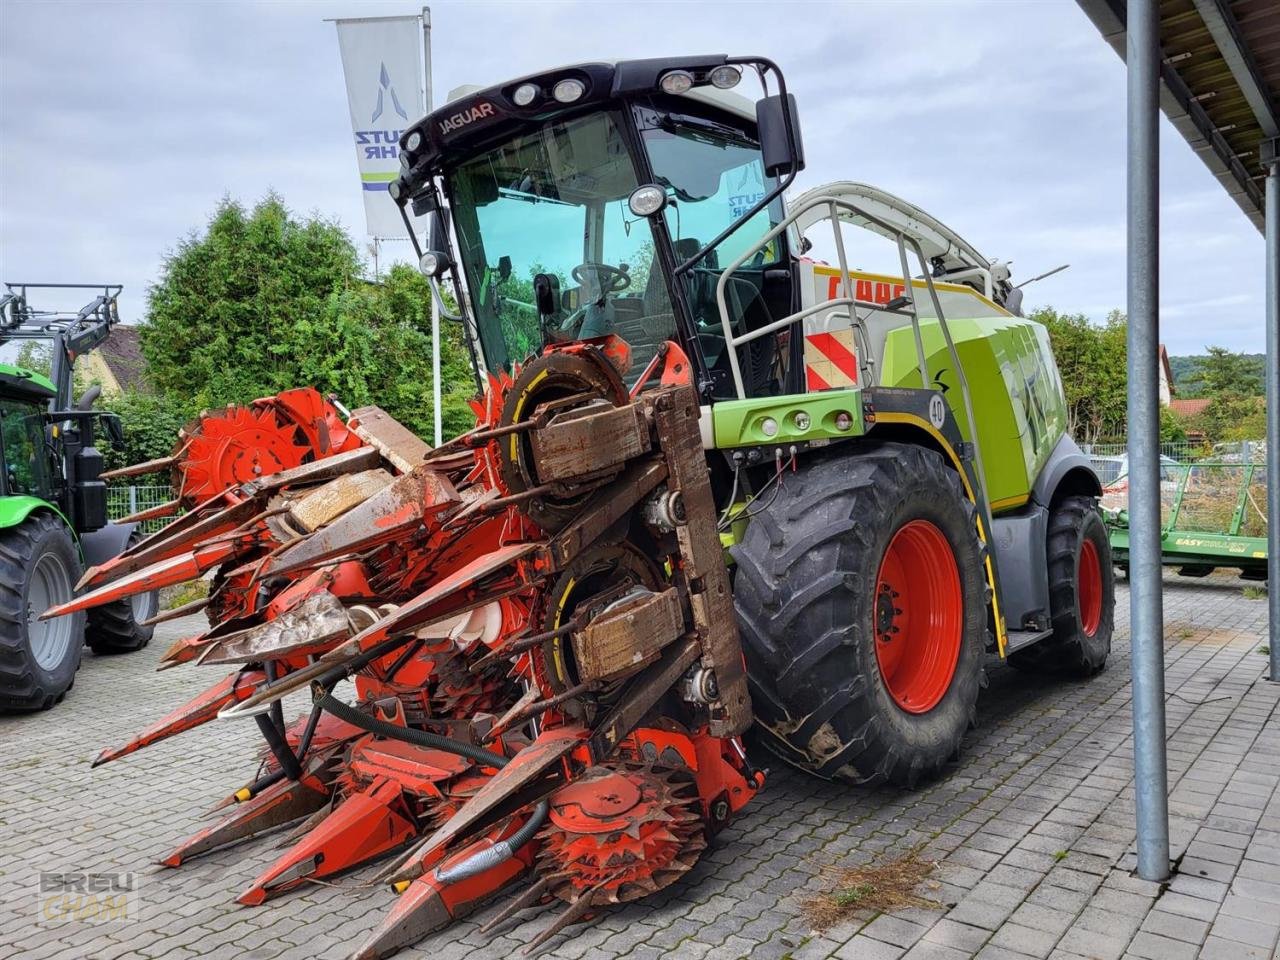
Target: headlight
{"points": [[802, 420], [525, 94], [676, 81], [567, 91], [429, 264], [395, 189], [647, 200], [413, 141], [725, 76], [769, 427], [843, 421]]}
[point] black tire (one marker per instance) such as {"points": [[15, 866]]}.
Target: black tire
{"points": [[116, 627], [38, 661], [806, 596], [1075, 526]]}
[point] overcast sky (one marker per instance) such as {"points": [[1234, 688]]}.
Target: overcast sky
{"points": [[122, 124]]}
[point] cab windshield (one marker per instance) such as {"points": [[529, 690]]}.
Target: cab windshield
{"points": [[551, 206], [714, 174]]}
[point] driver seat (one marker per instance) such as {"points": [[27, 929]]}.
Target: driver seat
{"points": [[655, 322]]}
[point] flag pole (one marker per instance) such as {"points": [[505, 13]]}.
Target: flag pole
{"points": [[435, 311]]}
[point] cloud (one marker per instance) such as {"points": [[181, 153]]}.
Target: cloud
{"points": [[123, 124]]}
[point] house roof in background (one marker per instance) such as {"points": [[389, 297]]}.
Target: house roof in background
{"points": [[122, 353], [1190, 407]]}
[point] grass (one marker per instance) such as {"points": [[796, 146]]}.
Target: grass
{"points": [[183, 593], [1059, 855], [1265, 650], [879, 887], [1252, 592]]}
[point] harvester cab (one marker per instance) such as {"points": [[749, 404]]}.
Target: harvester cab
{"points": [[53, 511]]}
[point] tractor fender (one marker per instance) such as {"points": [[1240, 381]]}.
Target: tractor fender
{"points": [[15, 510], [1021, 536], [1067, 472], [106, 542]]}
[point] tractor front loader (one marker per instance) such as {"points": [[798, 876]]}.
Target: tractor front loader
{"points": [[53, 501], [712, 481]]}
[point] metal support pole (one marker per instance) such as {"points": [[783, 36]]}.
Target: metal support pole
{"points": [[1146, 617], [1271, 159], [435, 307]]}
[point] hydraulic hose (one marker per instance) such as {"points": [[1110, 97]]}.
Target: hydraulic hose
{"points": [[500, 852], [358, 718], [485, 859]]}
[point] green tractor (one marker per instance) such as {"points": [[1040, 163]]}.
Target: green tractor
{"points": [[897, 491], [53, 506]]}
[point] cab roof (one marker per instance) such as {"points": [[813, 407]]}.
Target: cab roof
{"points": [[28, 384]]}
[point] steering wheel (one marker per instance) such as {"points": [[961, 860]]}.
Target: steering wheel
{"points": [[610, 278]]}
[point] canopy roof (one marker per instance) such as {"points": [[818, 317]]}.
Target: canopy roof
{"points": [[1220, 81]]}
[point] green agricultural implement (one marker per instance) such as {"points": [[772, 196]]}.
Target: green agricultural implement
{"points": [[1213, 516], [53, 506]]}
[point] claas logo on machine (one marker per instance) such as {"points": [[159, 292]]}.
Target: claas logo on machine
{"points": [[869, 291]]}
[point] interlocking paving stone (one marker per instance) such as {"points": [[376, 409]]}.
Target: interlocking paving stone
{"points": [[1033, 828]]}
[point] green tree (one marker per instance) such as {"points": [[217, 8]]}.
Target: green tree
{"points": [[1091, 359], [1233, 385], [151, 423], [1172, 429], [1224, 373], [262, 301]]}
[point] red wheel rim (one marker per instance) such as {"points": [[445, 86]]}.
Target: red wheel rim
{"points": [[1089, 587], [918, 616]]}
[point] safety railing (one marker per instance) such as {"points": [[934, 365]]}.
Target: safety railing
{"points": [[903, 305]]}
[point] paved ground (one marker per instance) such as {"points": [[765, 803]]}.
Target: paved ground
{"points": [[1033, 830]]}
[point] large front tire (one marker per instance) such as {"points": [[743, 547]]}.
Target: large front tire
{"points": [[39, 567], [862, 606]]}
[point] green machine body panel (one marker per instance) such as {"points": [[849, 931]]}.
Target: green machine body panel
{"points": [[806, 418], [1014, 384]]}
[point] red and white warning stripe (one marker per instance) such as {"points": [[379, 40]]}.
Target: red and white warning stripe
{"points": [[830, 360]]}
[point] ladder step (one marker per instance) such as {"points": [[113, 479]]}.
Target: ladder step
{"points": [[1017, 639]]}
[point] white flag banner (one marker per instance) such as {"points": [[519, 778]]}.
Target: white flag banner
{"points": [[382, 63]]}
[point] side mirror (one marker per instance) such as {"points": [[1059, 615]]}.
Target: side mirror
{"points": [[546, 294], [504, 268], [114, 429], [771, 120], [438, 230]]}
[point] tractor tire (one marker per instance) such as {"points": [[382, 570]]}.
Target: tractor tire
{"points": [[843, 684], [1081, 594], [117, 627], [39, 567]]}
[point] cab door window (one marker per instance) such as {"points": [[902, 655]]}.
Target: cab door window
{"points": [[26, 467]]}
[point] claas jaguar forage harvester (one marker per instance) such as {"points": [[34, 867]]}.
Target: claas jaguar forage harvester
{"points": [[711, 481]]}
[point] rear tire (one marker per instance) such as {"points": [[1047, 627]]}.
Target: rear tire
{"points": [[823, 576], [1081, 594], [117, 627], [39, 567]]}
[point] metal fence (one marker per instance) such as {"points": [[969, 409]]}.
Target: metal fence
{"points": [[124, 501], [1241, 451]]}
